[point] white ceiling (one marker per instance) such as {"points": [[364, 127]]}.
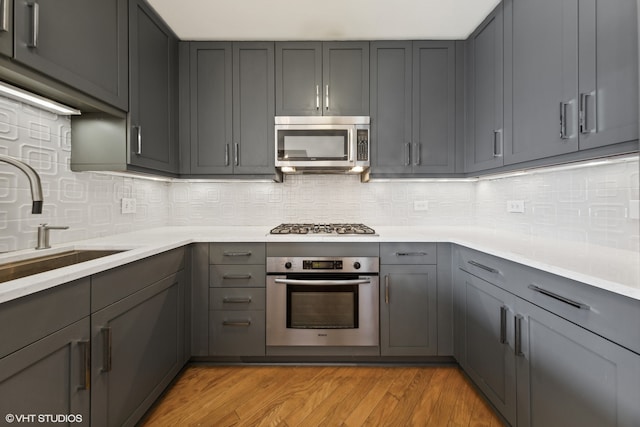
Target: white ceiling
{"points": [[323, 20]]}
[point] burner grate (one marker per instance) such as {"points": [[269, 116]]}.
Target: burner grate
{"points": [[337, 229]]}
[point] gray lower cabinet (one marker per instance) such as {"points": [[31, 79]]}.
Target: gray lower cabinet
{"points": [[484, 103], [413, 107], [231, 108], [322, 78], [237, 299], [153, 59], [137, 335], [408, 300], [538, 364], [80, 43]]}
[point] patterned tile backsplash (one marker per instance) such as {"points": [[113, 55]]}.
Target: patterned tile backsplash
{"points": [[589, 204]]}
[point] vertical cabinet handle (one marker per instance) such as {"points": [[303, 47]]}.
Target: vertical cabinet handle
{"points": [[236, 154], [503, 324], [563, 120], [584, 125], [139, 140], [518, 336], [407, 154], [386, 289], [417, 156], [226, 154], [327, 98], [497, 143], [317, 97], [106, 349], [85, 365], [4, 19], [35, 24]]}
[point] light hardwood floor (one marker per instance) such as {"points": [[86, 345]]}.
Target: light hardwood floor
{"points": [[321, 396]]}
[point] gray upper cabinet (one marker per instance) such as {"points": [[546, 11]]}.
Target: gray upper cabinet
{"points": [[608, 79], [413, 107], [572, 83], [153, 139], [316, 78], [6, 28], [82, 43], [484, 94], [232, 108], [541, 72], [391, 106]]}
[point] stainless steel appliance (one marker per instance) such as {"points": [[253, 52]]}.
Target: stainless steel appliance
{"points": [[329, 229], [322, 144], [322, 301]]}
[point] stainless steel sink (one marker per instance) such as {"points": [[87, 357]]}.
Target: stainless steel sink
{"points": [[27, 267]]}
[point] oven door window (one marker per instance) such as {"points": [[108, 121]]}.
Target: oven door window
{"points": [[322, 307], [301, 145]]}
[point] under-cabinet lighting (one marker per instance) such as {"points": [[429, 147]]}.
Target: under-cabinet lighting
{"points": [[36, 100], [288, 169]]}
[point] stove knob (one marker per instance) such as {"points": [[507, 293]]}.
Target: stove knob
{"points": [[356, 265], [287, 265]]}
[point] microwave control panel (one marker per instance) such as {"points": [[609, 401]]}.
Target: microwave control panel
{"points": [[363, 145]]}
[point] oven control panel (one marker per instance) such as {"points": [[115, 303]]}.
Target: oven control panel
{"points": [[322, 264]]}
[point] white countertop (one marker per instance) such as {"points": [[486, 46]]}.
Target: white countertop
{"points": [[607, 268]]}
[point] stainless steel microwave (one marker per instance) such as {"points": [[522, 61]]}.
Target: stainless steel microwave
{"points": [[321, 144]]}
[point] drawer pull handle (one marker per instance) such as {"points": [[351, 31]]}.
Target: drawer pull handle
{"points": [[247, 253], [518, 336], [106, 349], [245, 323], [484, 267], [85, 365], [411, 254], [555, 296], [228, 300], [236, 276], [503, 324]]}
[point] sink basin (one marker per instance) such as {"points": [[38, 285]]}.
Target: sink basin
{"points": [[27, 267]]}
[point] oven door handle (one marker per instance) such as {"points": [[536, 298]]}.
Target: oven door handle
{"points": [[323, 282]]}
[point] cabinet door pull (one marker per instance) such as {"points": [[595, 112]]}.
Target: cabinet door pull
{"points": [[35, 24], [317, 97], [560, 298], [85, 365], [236, 276], [518, 336], [584, 128], [231, 300], [226, 154], [236, 323], [503, 324], [386, 289], [484, 267], [139, 140], [407, 154], [232, 254], [497, 143], [327, 98], [4, 19], [563, 120], [106, 349], [411, 254], [236, 154]]}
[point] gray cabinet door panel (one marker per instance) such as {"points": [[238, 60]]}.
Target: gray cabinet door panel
{"points": [[543, 63], [485, 94], [434, 112], [345, 78], [48, 376], [153, 142], [391, 100], [608, 71], [82, 43], [253, 108], [299, 78], [569, 376], [146, 351], [237, 333], [211, 108], [408, 310]]}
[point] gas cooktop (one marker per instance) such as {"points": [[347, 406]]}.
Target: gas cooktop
{"points": [[330, 229]]}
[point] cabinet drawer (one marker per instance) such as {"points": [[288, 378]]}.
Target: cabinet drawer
{"points": [[610, 315], [252, 276], [234, 299], [237, 253], [236, 333], [408, 253], [487, 267]]}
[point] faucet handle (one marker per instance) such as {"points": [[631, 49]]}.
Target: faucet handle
{"points": [[43, 234]]}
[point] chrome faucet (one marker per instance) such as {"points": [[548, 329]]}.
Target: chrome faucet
{"points": [[34, 181], [43, 234]]}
